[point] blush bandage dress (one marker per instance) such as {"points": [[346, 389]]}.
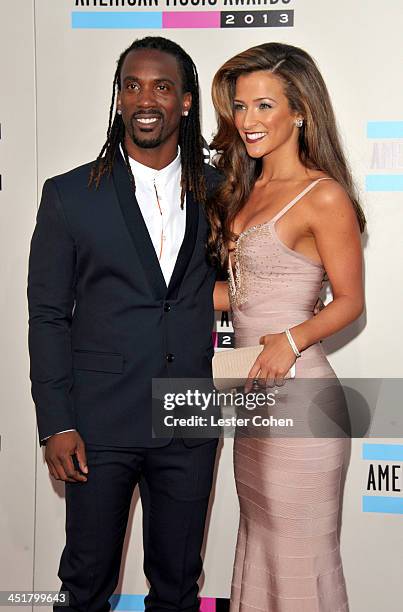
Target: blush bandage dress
{"points": [[287, 554]]}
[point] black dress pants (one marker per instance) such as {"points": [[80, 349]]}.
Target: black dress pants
{"points": [[175, 487]]}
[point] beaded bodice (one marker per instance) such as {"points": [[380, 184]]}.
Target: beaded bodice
{"points": [[270, 282]]}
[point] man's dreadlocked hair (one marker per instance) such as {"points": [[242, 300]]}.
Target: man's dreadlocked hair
{"points": [[190, 138]]}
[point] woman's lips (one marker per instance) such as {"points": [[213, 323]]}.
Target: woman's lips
{"points": [[252, 137]]}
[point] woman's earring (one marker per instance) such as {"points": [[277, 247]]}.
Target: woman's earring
{"points": [[185, 113], [119, 112], [299, 122]]}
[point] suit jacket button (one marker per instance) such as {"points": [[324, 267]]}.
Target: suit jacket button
{"points": [[170, 358], [167, 307]]}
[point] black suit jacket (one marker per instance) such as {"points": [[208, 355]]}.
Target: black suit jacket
{"points": [[102, 322]]}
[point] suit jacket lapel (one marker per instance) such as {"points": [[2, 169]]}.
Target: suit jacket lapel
{"points": [[137, 228], [141, 238], [187, 247]]}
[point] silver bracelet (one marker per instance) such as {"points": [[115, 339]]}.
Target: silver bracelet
{"points": [[292, 343]]}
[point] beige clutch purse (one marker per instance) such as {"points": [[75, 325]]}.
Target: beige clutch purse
{"points": [[231, 367]]}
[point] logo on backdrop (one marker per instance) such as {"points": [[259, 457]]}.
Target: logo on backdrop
{"points": [[125, 601], [206, 152], [384, 478], [223, 334], [386, 156], [192, 14]]}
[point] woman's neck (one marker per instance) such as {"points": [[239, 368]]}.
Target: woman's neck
{"points": [[282, 166]]}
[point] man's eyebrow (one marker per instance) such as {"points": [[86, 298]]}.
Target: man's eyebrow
{"points": [[131, 77]]}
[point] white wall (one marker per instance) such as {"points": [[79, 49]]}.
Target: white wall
{"points": [[18, 199]]}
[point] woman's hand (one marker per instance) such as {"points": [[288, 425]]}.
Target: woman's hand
{"points": [[273, 363]]}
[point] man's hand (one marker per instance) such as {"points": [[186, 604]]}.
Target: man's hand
{"points": [[59, 453]]}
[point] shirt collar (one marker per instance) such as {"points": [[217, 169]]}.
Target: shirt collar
{"points": [[162, 177]]}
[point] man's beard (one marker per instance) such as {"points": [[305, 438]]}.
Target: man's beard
{"points": [[147, 143]]}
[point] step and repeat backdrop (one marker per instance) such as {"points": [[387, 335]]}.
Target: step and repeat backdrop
{"points": [[57, 60]]}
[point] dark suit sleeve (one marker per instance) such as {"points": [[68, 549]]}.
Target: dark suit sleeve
{"points": [[51, 294]]}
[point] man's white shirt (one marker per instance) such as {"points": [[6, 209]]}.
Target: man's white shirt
{"points": [[158, 195]]}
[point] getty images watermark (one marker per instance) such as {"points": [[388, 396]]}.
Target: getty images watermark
{"points": [[207, 401]]}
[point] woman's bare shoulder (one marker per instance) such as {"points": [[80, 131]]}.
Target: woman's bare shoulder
{"points": [[329, 195], [330, 205]]}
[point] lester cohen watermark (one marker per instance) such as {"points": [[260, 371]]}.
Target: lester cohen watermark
{"points": [[197, 409]]}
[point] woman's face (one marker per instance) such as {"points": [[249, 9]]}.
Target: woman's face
{"points": [[262, 115]]}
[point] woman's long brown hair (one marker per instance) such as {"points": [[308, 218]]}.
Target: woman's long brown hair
{"points": [[319, 143]]}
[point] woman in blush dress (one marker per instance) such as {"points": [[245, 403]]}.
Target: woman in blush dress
{"points": [[285, 214]]}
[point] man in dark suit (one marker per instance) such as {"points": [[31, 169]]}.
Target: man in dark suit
{"points": [[120, 292]]}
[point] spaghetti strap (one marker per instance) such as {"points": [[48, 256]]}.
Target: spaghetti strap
{"points": [[298, 197]]}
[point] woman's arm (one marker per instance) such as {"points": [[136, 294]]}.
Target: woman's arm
{"points": [[334, 225], [221, 296]]}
